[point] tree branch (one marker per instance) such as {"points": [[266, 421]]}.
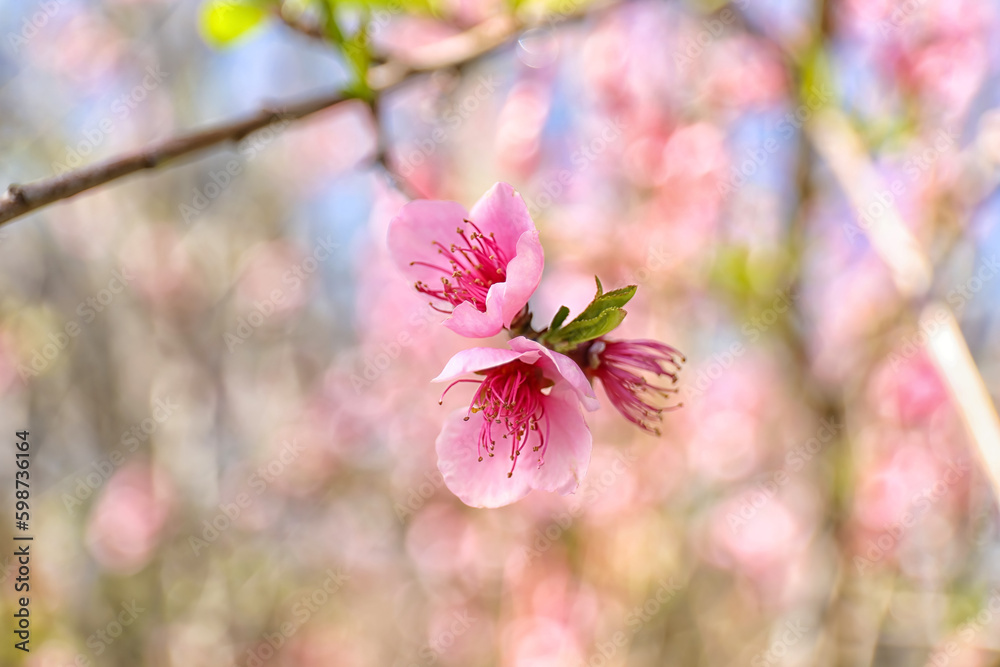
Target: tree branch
{"points": [[309, 30], [22, 199], [457, 51]]}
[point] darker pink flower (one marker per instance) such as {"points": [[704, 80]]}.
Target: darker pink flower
{"points": [[524, 429], [480, 267], [621, 365]]}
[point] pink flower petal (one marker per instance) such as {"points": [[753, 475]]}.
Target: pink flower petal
{"points": [[467, 320], [556, 365], [479, 359], [414, 229], [486, 484], [502, 212], [524, 272], [476, 483], [567, 456]]}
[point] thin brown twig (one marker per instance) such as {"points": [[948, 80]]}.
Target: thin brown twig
{"points": [[22, 199], [457, 51]]}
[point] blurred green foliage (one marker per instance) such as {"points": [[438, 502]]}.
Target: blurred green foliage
{"points": [[224, 22]]}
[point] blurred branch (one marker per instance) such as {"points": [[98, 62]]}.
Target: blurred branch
{"points": [[968, 391], [842, 148], [457, 51], [309, 30], [382, 158], [836, 644]]}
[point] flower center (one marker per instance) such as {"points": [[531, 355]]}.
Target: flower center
{"points": [[475, 262], [510, 398]]}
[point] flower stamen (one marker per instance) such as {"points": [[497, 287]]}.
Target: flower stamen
{"points": [[510, 398], [618, 365], [475, 264]]}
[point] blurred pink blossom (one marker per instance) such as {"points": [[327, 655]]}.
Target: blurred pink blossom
{"points": [[125, 523], [894, 485], [80, 45], [735, 61], [766, 548], [519, 127], [909, 390], [276, 274], [165, 273], [328, 145], [542, 642]]}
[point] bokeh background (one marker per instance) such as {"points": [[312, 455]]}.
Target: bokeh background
{"points": [[226, 382]]}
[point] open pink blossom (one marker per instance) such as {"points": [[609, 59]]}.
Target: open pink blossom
{"points": [[482, 266], [524, 429], [620, 365]]}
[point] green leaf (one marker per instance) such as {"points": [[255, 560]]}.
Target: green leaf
{"points": [[560, 317], [223, 22], [579, 331], [604, 300], [601, 316]]}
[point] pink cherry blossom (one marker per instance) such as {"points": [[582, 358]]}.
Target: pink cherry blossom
{"points": [[529, 396], [482, 265], [619, 364]]}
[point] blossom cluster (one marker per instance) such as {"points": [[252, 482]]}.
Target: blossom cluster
{"points": [[524, 428]]}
